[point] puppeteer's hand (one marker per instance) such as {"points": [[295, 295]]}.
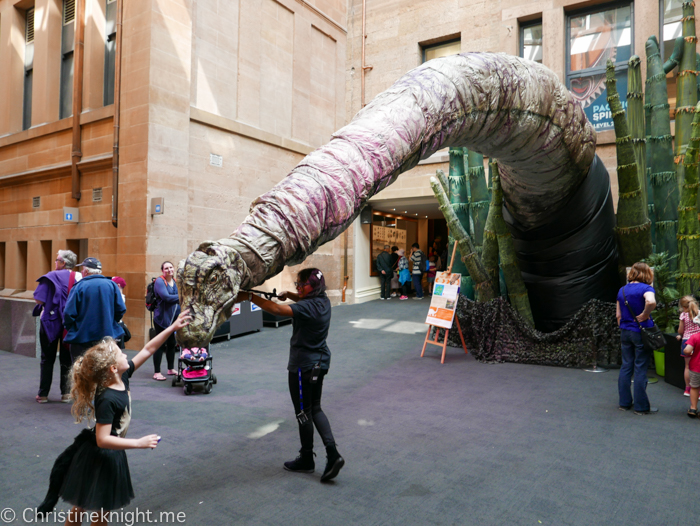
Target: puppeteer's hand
{"points": [[678, 336], [283, 296], [642, 318]]}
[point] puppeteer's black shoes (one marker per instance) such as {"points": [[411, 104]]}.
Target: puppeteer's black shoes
{"points": [[334, 464], [304, 463]]}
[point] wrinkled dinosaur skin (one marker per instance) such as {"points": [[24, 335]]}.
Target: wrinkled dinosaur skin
{"points": [[208, 282], [499, 105]]}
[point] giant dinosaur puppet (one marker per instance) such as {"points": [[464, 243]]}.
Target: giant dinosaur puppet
{"points": [[502, 106]]}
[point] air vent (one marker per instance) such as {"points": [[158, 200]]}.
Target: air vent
{"points": [[97, 194], [29, 34], [68, 11], [36, 202]]}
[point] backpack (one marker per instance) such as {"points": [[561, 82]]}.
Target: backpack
{"points": [[151, 298], [423, 265]]}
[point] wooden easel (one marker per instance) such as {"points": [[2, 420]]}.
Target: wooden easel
{"points": [[447, 331]]}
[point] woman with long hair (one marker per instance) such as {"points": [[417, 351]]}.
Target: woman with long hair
{"points": [[309, 360], [167, 309]]}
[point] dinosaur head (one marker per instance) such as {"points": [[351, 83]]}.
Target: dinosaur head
{"points": [[208, 282]]}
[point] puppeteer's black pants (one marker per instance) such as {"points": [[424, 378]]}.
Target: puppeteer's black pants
{"points": [[312, 407]]}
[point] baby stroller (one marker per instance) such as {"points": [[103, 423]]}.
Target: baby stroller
{"points": [[194, 367]]}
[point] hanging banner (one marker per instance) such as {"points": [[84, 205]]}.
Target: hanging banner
{"points": [[443, 302]]}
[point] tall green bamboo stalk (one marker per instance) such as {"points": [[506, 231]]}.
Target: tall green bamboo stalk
{"points": [[688, 279], [489, 254], [651, 214], [633, 227], [497, 233], [686, 90], [479, 197], [663, 174], [458, 192], [636, 122], [483, 285]]}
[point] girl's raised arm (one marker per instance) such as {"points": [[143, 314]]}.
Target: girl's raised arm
{"points": [[152, 346]]}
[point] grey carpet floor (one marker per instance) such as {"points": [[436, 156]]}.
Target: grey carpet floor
{"points": [[425, 443]]}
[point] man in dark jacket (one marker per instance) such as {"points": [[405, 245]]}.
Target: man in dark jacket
{"points": [[385, 271], [93, 309]]}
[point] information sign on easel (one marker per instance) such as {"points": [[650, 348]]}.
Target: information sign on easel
{"points": [[443, 306]]}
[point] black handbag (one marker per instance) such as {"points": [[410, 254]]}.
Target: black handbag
{"points": [[652, 337], [127, 333]]}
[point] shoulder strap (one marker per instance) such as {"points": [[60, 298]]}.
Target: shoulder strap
{"points": [[634, 316], [71, 281]]}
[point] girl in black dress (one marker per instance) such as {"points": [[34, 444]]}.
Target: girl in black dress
{"points": [[97, 476], [309, 360]]}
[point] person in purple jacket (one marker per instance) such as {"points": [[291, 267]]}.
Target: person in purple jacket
{"points": [[50, 296], [167, 310]]}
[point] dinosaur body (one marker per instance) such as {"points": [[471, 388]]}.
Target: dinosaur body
{"points": [[499, 105]]}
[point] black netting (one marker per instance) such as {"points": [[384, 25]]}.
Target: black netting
{"points": [[494, 332]]}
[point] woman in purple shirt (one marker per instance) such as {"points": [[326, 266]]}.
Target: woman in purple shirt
{"points": [[641, 300], [167, 310]]}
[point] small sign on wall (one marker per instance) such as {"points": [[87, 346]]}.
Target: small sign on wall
{"points": [[157, 205], [216, 160], [70, 214]]}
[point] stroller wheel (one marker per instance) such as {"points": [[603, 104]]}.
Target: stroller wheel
{"points": [[188, 389], [207, 388], [174, 383], [213, 378]]}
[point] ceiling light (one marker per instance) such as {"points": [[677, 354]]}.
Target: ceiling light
{"points": [[405, 211], [393, 208]]}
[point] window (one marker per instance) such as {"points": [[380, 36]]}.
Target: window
{"points": [[67, 44], [593, 38], [28, 69], [531, 41], [110, 50], [443, 49], [671, 28]]}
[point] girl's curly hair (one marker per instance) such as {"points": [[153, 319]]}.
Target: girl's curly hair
{"points": [[90, 374]]}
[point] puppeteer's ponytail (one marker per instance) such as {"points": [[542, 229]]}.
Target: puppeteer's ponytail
{"points": [[89, 373]]}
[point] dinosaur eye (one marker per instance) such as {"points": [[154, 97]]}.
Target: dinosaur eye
{"points": [[213, 278]]}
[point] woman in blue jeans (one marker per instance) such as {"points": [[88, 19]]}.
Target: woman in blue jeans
{"points": [[641, 300]]}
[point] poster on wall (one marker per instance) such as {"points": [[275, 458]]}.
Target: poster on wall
{"points": [[383, 235], [591, 93], [443, 302]]}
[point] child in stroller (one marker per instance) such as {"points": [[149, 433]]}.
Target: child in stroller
{"points": [[194, 366]]}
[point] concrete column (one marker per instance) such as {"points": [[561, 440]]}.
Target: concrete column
{"points": [[12, 66], [249, 58], [48, 24], [554, 41], [94, 57], [301, 79]]}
